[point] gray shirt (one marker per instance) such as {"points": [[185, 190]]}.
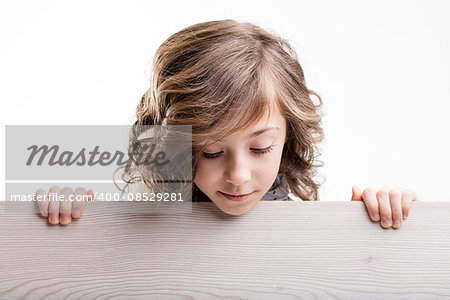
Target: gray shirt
{"points": [[279, 190]]}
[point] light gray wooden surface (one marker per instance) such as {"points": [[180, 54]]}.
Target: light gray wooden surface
{"points": [[279, 250]]}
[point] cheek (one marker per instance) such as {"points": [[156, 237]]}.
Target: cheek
{"points": [[266, 171], [203, 168], [205, 173], [274, 165], [275, 159]]}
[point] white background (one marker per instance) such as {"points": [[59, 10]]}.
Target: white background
{"points": [[382, 69]]}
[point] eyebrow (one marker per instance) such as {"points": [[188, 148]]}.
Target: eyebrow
{"points": [[261, 131]]}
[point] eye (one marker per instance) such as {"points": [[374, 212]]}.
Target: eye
{"points": [[263, 151], [211, 155], [256, 150]]}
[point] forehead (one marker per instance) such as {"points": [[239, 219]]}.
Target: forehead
{"points": [[271, 121], [271, 117]]}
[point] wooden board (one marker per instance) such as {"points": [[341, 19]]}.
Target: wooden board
{"points": [[279, 250]]}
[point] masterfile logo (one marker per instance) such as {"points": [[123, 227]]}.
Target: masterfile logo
{"points": [[108, 159], [85, 152]]}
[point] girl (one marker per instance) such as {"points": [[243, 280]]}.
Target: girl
{"points": [[255, 128]]}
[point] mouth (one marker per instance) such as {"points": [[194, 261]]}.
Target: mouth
{"points": [[240, 197]]}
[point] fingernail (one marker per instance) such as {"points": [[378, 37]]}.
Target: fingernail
{"points": [[387, 223], [65, 220], [376, 217], [76, 213], [54, 219], [397, 223]]}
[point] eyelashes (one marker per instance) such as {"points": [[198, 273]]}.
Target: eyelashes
{"points": [[258, 152]]}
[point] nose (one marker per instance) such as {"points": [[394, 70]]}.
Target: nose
{"points": [[237, 171]]}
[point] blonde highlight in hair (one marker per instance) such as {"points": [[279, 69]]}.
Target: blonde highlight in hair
{"points": [[220, 77]]}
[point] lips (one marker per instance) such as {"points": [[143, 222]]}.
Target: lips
{"points": [[238, 197]]}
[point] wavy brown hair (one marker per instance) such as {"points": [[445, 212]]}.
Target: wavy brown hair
{"points": [[220, 77]]}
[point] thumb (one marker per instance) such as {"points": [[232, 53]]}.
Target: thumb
{"points": [[356, 193]]}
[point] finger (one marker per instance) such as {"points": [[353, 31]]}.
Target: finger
{"points": [[408, 197], [42, 201], [65, 206], [356, 193], [385, 207], [370, 200], [395, 196], [80, 200], [416, 197], [91, 195], [53, 204]]}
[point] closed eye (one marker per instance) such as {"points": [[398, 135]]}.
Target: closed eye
{"points": [[255, 150]]}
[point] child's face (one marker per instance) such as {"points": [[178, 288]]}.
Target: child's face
{"points": [[238, 169]]}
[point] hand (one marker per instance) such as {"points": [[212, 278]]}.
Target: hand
{"points": [[393, 205], [57, 206]]}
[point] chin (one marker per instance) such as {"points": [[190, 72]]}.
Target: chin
{"points": [[236, 211]]}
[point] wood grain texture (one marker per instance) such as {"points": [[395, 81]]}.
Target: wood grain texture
{"points": [[279, 250]]}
